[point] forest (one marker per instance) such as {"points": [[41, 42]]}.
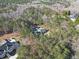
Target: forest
{"points": [[58, 42]]}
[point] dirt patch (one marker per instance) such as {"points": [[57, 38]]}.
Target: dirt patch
{"points": [[11, 35]]}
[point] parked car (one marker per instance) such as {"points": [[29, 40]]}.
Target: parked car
{"points": [[38, 30], [9, 47], [2, 53]]}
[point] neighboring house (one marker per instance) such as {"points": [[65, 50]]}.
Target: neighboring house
{"points": [[8, 47]]}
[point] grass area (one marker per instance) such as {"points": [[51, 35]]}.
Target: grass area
{"points": [[15, 1], [22, 52], [55, 46], [49, 47], [7, 8], [77, 21]]}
